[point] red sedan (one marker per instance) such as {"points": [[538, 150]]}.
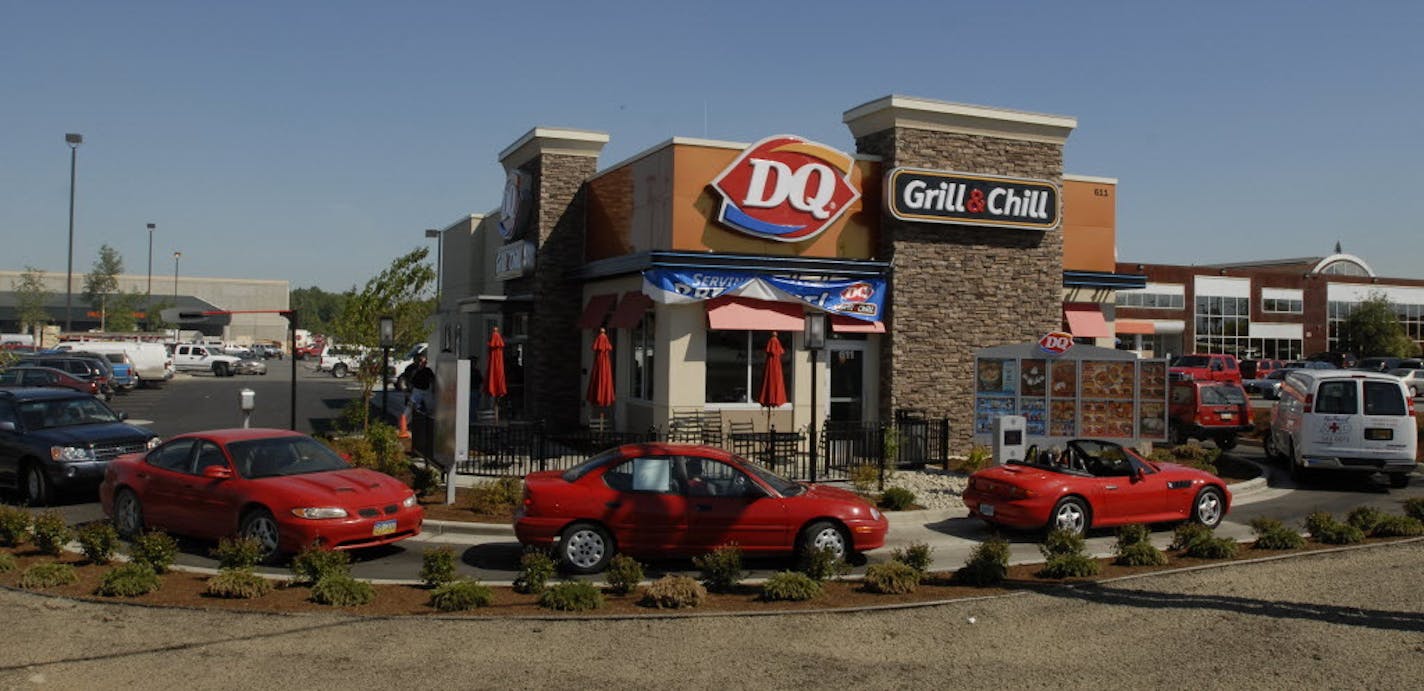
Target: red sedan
{"points": [[1091, 484], [675, 499], [282, 488], [46, 376]]}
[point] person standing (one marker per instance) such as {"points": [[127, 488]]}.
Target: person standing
{"points": [[422, 385]]}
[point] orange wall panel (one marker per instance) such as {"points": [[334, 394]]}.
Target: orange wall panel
{"points": [[1089, 226]]}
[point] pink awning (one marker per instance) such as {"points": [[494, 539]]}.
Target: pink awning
{"points": [[1085, 320], [595, 310], [851, 325], [630, 310], [754, 315], [1135, 326]]}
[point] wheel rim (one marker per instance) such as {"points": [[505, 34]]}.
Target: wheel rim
{"points": [[128, 514], [1070, 517], [585, 548], [1208, 508], [263, 529], [34, 484], [831, 539]]}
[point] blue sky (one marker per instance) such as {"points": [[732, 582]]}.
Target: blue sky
{"points": [[314, 141]]}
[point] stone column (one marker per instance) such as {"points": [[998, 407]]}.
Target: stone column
{"points": [[958, 288], [558, 162]]}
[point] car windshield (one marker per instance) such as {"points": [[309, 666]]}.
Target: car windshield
{"points": [[1191, 361], [258, 458], [1222, 395], [65, 412], [1276, 374], [784, 487]]}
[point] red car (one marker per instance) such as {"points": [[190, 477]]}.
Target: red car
{"points": [[676, 499], [1208, 410], [1092, 484], [282, 488], [47, 376], [1206, 367]]}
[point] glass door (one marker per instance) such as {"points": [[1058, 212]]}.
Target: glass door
{"points": [[847, 370]]}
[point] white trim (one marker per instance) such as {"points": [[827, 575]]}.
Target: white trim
{"points": [[1282, 294], [1164, 289], [473, 219], [1280, 331], [1359, 292], [1222, 286], [1168, 326], [1090, 178], [943, 116], [555, 140], [1343, 258]]}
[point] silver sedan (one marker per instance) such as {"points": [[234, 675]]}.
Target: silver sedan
{"points": [[250, 366], [1268, 387]]}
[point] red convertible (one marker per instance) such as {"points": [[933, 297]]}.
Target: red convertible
{"points": [[282, 488], [677, 499], [1091, 484]]}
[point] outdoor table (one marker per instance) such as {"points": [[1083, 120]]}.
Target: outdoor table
{"points": [[768, 448]]}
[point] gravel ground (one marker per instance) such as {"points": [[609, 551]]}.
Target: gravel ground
{"points": [[1350, 619], [934, 489]]}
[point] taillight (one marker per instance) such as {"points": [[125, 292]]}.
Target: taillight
{"points": [[1410, 401], [1309, 401]]}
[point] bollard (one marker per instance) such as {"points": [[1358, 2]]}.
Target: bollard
{"points": [[246, 401]]}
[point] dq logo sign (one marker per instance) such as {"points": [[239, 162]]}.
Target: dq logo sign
{"points": [[857, 292], [1056, 343], [785, 188]]}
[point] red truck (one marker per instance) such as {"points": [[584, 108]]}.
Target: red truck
{"points": [[1206, 367]]}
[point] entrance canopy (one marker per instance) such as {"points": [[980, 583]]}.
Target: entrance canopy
{"points": [[861, 299]]}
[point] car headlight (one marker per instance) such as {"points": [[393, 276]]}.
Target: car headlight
{"points": [[319, 512], [874, 514], [410, 501], [154, 442], [71, 453]]}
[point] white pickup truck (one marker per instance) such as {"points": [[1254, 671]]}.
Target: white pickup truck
{"points": [[339, 360], [193, 357]]}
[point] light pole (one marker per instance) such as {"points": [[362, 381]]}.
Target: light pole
{"points": [[176, 328], [439, 263], [388, 338], [73, 140], [148, 301], [814, 340]]}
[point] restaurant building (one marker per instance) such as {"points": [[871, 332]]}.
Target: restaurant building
{"points": [[946, 231]]}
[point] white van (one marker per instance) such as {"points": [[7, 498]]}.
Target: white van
{"points": [[151, 362], [1345, 420]]}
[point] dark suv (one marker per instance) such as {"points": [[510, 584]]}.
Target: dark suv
{"points": [[53, 439]]}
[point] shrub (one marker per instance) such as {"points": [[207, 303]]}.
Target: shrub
{"points": [[1365, 518], [129, 580], [721, 568], [237, 584], [497, 498], [14, 526], [313, 564], [156, 549], [891, 578], [1130, 535], [461, 595], [1190, 454], [51, 533], [1272, 534], [1140, 554], [386, 444], [1213, 548], [7, 562], [897, 499], [915, 555], [47, 575], [1414, 508], [978, 459], [1062, 542], [341, 590], [624, 574], [1324, 528], [1398, 526], [238, 553], [1318, 522], [1069, 566], [823, 564], [866, 477], [99, 542], [988, 564], [437, 567], [790, 586], [1188, 534], [536, 568], [674, 592], [571, 596], [423, 479]]}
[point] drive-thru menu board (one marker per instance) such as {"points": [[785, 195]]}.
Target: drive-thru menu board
{"points": [[1085, 391]]}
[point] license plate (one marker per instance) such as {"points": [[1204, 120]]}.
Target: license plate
{"points": [[384, 527], [1379, 433], [986, 509], [1226, 416]]}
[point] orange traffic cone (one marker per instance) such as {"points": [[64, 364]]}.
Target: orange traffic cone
{"points": [[404, 432]]}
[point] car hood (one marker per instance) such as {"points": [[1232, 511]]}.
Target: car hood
{"points": [[1016, 473], [353, 486], [832, 493], [80, 435]]}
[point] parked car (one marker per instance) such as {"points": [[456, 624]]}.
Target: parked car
{"points": [[283, 489], [679, 499], [1092, 484], [194, 357], [80, 367], [1218, 411], [1378, 364], [1310, 364], [1259, 368], [250, 366], [152, 362], [1206, 367], [121, 375], [32, 376], [1337, 359], [1267, 387], [54, 439], [1345, 421], [340, 360], [1413, 380], [312, 349]]}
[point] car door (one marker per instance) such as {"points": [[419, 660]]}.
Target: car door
{"points": [[724, 506], [1125, 490], [642, 502], [209, 505], [11, 445], [161, 484]]}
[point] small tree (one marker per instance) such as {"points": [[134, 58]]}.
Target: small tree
{"points": [[103, 280], [30, 298], [1373, 329]]}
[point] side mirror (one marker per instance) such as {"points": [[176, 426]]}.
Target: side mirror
{"points": [[1137, 474], [217, 472], [123, 415], [7, 426]]}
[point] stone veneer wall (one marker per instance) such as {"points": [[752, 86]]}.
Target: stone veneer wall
{"points": [[956, 289], [552, 373]]}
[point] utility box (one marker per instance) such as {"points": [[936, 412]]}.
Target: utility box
{"points": [[1010, 441]]}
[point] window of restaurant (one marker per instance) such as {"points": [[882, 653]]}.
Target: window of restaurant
{"points": [[643, 354], [735, 363]]}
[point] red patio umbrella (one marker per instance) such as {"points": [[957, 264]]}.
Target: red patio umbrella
{"points": [[773, 387], [495, 385], [600, 378]]}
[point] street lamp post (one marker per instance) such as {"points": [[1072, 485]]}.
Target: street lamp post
{"points": [[388, 339], [73, 140], [148, 301], [176, 328], [439, 263], [814, 340]]}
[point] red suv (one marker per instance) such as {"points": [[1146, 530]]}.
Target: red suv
{"points": [[1206, 367], [1258, 369], [1218, 411]]}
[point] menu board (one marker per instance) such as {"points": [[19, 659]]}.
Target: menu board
{"points": [[1073, 397], [1152, 420], [1063, 415], [986, 408], [1033, 378], [1065, 378], [1036, 411], [997, 376], [1108, 379], [1107, 418]]}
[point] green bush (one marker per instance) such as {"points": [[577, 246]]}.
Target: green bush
{"points": [[461, 595], [47, 575], [866, 477], [341, 590], [14, 526], [571, 596], [791, 586], [536, 568], [498, 498], [897, 499], [437, 567], [237, 584], [1140, 554], [156, 548], [7, 562], [915, 555], [1069, 566], [313, 564], [1213, 548], [1325, 529], [129, 580], [1130, 535], [978, 459], [1365, 518], [892, 578], [624, 574], [423, 479], [721, 568], [1272, 534], [51, 533], [674, 592], [1191, 454], [99, 542], [1061, 542], [988, 564], [237, 553], [386, 444], [1414, 508], [823, 564], [1398, 526], [1319, 522], [1188, 534]]}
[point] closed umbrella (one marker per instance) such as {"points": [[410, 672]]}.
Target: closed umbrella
{"points": [[600, 379], [773, 388], [495, 385]]}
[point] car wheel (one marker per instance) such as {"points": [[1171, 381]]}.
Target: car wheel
{"points": [[1298, 472], [585, 548], [1399, 480], [824, 535], [1268, 444], [1209, 507], [1414, 392], [1227, 442], [128, 514], [219, 369], [37, 489], [1070, 514], [338, 371], [259, 525]]}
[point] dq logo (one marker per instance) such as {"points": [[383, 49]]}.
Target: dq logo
{"points": [[857, 292], [785, 188], [1055, 343]]}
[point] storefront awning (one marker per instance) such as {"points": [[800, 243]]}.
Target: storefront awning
{"points": [[754, 315], [630, 310], [596, 309], [1134, 326], [1085, 320], [847, 325]]}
